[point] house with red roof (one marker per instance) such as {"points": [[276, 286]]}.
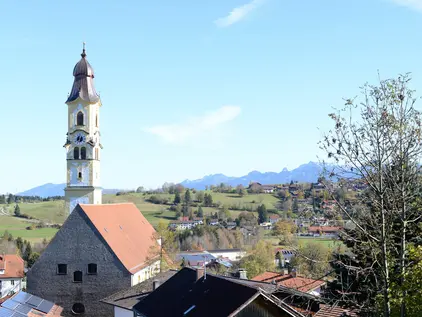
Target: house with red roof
{"points": [[302, 284], [99, 250], [11, 274]]}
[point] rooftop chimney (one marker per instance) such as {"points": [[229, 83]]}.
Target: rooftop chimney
{"points": [[242, 274], [200, 272], [155, 284]]}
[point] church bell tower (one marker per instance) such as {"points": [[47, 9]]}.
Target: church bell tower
{"points": [[83, 147]]}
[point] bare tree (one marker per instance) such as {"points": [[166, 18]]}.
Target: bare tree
{"points": [[381, 149]]}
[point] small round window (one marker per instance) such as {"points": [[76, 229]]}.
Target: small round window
{"points": [[78, 308]]}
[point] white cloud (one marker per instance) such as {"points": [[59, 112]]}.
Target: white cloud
{"points": [[412, 4], [195, 127], [239, 13]]}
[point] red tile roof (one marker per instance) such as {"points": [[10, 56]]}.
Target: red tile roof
{"points": [[13, 266], [300, 283], [324, 228], [328, 311], [126, 231]]}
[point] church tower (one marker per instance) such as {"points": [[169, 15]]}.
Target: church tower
{"points": [[83, 147]]}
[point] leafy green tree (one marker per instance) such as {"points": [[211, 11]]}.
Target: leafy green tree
{"points": [[166, 248], [200, 213], [313, 260], [177, 198], [260, 259], [2, 199], [17, 211], [199, 196], [262, 214]]}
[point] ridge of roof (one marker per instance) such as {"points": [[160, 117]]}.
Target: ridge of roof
{"points": [[126, 231]]}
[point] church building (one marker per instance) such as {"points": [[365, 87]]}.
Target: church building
{"points": [[83, 145], [101, 248]]}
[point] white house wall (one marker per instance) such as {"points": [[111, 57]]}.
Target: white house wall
{"points": [[145, 273], [7, 287], [121, 312]]}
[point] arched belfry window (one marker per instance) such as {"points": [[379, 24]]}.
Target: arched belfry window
{"points": [[77, 276], [96, 120], [76, 153], [80, 118], [83, 153]]}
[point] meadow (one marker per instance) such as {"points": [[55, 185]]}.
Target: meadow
{"points": [[52, 212]]}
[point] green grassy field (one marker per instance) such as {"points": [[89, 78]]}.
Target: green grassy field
{"points": [[54, 211]]}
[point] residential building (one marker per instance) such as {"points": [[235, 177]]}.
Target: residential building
{"points": [[123, 301], [327, 231], [274, 219], [293, 281], [11, 274], [185, 224], [25, 304], [193, 293], [99, 250], [230, 254], [283, 256]]}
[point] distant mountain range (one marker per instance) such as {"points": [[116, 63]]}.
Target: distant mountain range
{"points": [[305, 173], [309, 172], [49, 190]]}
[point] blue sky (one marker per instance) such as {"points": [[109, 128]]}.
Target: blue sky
{"points": [[191, 88]]}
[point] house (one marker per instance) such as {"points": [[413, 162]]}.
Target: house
{"points": [[185, 223], [25, 304], [301, 284], [99, 250], [274, 218], [324, 231], [11, 274], [214, 222], [230, 254], [193, 293], [124, 300], [283, 256], [268, 188]]}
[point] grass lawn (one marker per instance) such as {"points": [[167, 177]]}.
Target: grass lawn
{"points": [[329, 243]]}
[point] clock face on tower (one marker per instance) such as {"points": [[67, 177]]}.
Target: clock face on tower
{"points": [[79, 138]]}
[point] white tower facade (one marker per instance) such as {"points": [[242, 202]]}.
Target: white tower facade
{"points": [[83, 147]]}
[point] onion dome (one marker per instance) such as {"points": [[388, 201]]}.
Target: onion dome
{"points": [[83, 85]]}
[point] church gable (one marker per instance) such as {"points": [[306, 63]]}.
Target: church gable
{"points": [[74, 247]]}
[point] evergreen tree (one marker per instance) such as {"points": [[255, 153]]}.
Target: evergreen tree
{"points": [[262, 214], [19, 244], [17, 211], [33, 258], [2, 199], [10, 199], [200, 212], [28, 251], [188, 198], [208, 200], [295, 206], [177, 198]]}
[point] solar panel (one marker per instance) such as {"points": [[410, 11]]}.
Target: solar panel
{"points": [[10, 304], [4, 312], [34, 301], [21, 297], [24, 309], [45, 306]]}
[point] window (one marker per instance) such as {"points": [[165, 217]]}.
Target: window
{"points": [[79, 175], [96, 153], [12, 282], [80, 118], [83, 153], [96, 120], [62, 269], [77, 277], [78, 308], [76, 153], [92, 268]]}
